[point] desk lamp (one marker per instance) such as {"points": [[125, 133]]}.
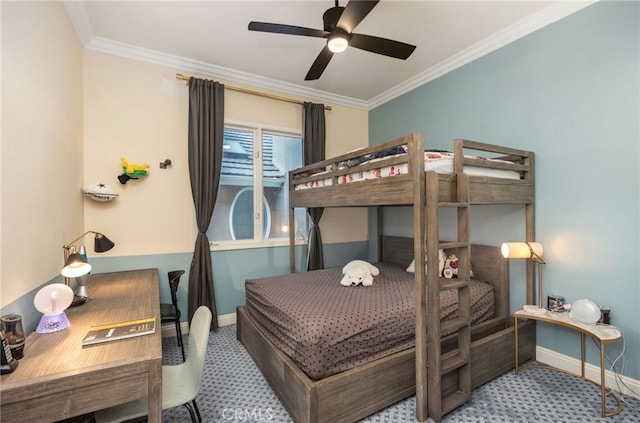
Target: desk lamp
{"points": [[76, 266], [533, 251]]}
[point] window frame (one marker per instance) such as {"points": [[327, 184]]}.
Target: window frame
{"points": [[258, 241]]}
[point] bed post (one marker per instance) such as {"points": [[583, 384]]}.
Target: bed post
{"points": [[531, 236], [419, 238], [530, 230], [380, 217], [292, 229]]}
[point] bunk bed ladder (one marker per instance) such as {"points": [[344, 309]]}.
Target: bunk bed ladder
{"points": [[449, 374]]}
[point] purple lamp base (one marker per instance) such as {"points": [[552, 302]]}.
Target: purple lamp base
{"points": [[53, 323]]}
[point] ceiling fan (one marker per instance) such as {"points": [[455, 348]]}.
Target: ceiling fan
{"points": [[339, 22]]}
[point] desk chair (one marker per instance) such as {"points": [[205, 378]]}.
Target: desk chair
{"points": [[180, 383], [171, 312]]}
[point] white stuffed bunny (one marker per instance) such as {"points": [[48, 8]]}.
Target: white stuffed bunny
{"points": [[358, 272]]}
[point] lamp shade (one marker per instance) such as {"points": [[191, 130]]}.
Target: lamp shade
{"points": [[75, 266], [521, 249], [102, 243]]}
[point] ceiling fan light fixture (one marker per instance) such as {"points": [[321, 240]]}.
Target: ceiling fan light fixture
{"points": [[337, 43], [339, 23]]}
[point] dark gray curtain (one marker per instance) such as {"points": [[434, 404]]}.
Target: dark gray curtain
{"points": [[313, 141], [206, 126]]}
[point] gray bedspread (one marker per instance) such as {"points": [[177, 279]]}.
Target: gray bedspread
{"points": [[327, 328]]}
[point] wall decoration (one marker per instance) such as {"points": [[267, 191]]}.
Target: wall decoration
{"points": [[99, 191], [132, 171]]}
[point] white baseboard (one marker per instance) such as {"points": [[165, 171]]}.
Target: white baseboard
{"points": [[626, 385], [169, 330], [227, 319]]}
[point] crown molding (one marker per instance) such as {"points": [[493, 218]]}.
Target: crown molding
{"points": [[550, 14], [80, 20], [182, 64]]}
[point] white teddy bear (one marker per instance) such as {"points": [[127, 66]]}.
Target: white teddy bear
{"points": [[358, 272], [441, 263]]}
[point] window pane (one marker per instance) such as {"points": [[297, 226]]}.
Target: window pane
{"points": [[281, 154], [236, 189], [241, 222]]}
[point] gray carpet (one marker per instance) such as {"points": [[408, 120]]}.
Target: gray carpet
{"points": [[234, 390]]}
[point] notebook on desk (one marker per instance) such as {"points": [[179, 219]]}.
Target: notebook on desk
{"points": [[120, 330]]}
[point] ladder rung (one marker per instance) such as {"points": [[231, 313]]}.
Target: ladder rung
{"points": [[452, 362], [453, 284], [454, 325], [453, 401], [453, 244], [453, 204]]}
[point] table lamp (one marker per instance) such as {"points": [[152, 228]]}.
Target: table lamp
{"points": [[533, 251], [76, 266], [52, 301]]}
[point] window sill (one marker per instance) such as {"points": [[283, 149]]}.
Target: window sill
{"points": [[250, 244]]}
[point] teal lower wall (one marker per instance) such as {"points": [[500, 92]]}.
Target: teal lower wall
{"points": [[230, 269]]}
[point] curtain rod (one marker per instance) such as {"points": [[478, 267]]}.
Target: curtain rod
{"points": [[247, 91]]}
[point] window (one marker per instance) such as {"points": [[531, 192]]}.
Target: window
{"points": [[255, 166]]}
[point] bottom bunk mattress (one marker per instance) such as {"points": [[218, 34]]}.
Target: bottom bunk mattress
{"points": [[327, 328]]}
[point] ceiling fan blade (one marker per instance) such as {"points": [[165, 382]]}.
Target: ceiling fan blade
{"points": [[287, 29], [383, 46], [354, 12], [319, 65]]}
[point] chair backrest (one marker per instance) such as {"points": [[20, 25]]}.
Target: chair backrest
{"points": [[198, 341], [174, 280]]}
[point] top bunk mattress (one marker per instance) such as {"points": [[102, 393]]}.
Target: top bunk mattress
{"points": [[436, 161], [327, 328]]}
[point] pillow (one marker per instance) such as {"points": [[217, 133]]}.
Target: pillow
{"points": [[441, 258]]}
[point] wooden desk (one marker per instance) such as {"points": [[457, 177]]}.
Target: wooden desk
{"points": [[59, 378]]}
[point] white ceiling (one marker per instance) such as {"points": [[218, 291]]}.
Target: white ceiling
{"points": [[211, 38]]}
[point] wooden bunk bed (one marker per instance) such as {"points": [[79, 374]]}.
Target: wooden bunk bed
{"points": [[441, 371]]}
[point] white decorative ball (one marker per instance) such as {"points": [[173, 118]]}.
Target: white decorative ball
{"points": [[585, 311]]}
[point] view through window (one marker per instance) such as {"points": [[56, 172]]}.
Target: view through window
{"points": [[255, 166]]}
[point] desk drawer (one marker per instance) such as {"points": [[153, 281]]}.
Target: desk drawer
{"points": [[76, 401]]}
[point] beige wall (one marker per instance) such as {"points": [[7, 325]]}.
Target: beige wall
{"points": [[139, 110], [67, 118], [41, 150], [347, 129]]}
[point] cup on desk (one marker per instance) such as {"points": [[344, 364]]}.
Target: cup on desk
{"points": [[12, 325]]}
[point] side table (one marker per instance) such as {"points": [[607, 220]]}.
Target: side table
{"points": [[602, 334]]}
